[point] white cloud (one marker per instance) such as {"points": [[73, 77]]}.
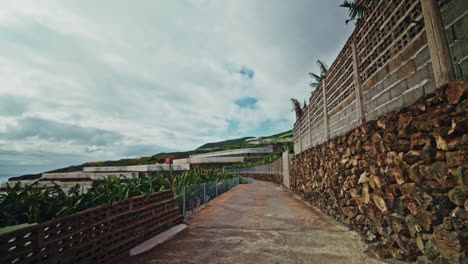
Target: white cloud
{"points": [[164, 75]]}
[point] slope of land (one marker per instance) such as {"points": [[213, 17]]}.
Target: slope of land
{"points": [[208, 147]]}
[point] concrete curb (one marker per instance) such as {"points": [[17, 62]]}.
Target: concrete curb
{"points": [[159, 239]]}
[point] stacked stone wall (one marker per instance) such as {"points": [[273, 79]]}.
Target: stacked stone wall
{"points": [[401, 181]]}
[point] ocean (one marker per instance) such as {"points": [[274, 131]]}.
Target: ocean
{"points": [[4, 178]]}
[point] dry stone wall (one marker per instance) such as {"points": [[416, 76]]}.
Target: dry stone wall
{"points": [[266, 172], [401, 181]]}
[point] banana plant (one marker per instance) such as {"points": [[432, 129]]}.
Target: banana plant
{"points": [[357, 9], [34, 203]]}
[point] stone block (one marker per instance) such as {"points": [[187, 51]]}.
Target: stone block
{"points": [[423, 57], [370, 115], [430, 86], [458, 51], [417, 78], [454, 11], [414, 47], [366, 96], [377, 89], [395, 104], [398, 90], [412, 96], [394, 63], [450, 35], [383, 98], [370, 105], [463, 68], [407, 69], [390, 80], [332, 119], [382, 111], [460, 29]]}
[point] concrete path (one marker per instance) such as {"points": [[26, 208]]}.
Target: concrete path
{"points": [[259, 223]]}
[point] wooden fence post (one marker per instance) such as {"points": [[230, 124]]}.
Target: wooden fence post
{"points": [[358, 87], [325, 109], [437, 41], [310, 124], [300, 136]]}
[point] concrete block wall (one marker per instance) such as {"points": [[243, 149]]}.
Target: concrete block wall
{"points": [[344, 120], [400, 80], [455, 18], [306, 140]]}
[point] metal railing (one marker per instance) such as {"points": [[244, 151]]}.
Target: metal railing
{"points": [[192, 196]]}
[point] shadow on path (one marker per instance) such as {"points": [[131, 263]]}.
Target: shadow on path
{"points": [[259, 223]]}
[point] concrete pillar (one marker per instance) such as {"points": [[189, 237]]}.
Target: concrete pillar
{"points": [[285, 160], [437, 41], [300, 137], [310, 124], [325, 109], [358, 87]]}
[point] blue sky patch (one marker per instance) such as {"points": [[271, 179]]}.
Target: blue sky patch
{"points": [[247, 102], [247, 72]]}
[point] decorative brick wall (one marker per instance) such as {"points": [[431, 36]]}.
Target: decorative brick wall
{"points": [[401, 181], [98, 235], [393, 65]]}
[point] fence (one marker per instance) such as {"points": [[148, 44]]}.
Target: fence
{"points": [[267, 172], [192, 196], [98, 235], [386, 64], [247, 180], [277, 171]]}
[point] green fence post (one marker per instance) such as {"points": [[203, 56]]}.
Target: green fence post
{"points": [[183, 200], [204, 192]]}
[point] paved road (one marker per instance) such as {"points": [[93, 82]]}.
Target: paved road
{"points": [[258, 223]]}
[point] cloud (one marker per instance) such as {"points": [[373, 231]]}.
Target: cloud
{"points": [[56, 131], [111, 79], [12, 105]]}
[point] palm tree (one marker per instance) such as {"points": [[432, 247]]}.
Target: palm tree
{"points": [[297, 107], [318, 78], [357, 9]]}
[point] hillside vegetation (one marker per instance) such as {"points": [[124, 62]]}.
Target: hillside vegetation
{"points": [[238, 142], [208, 147]]}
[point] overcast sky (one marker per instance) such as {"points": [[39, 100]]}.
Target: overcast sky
{"points": [[98, 80]]}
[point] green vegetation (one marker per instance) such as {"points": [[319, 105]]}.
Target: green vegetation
{"points": [[223, 145], [8, 229], [318, 78], [357, 9], [236, 143], [35, 204], [266, 160], [296, 107]]}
